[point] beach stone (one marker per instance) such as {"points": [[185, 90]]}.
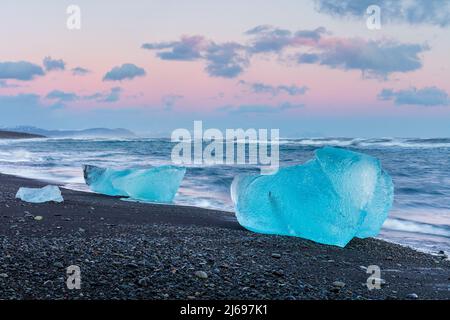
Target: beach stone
{"points": [[48, 283], [412, 296], [335, 289], [201, 274], [276, 255], [143, 282], [132, 265], [338, 284], [278, 273]]}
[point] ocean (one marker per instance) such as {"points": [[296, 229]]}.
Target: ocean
{"points": [[420, 168]]}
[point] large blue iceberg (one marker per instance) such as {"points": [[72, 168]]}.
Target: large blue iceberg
{"points": [[157, 184], [331, 199]]}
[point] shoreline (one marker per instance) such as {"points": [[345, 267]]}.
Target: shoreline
{"points": [[131, 250]]}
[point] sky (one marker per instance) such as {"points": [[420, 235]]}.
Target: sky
{"points": [[308, 68]]}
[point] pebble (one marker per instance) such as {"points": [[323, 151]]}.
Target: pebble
{"points": [[278, 273], [201, 274], [38, 218], [143, 282], [338, 284], [412, 296], [335, 289], [132, 265], [276, 255], [3, 275], [48, 283]]}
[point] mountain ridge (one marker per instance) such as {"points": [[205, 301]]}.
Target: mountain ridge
{"points": [[91, 132]]}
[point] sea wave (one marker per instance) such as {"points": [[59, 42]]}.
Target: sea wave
{"points": [[404, 225], [370, 143]]}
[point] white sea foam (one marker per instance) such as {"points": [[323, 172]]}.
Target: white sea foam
{"points": [[416, 227]]}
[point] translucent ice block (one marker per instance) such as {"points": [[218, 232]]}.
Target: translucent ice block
{"points": [[331, 199], [158, 184], [40, 195]]}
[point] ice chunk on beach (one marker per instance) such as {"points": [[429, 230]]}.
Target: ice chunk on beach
{"points": [[40, 195], [331, 199], [157, 184]]}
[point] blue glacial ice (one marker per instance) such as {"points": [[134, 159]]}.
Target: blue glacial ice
{"points": [[40, 195], [156, 184], [330, 199]]}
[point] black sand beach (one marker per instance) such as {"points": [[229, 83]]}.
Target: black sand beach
{"points": [[129, 250]]}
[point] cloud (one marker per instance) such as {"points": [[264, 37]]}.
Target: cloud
{"points": [[4, 84], [259, 87], [268, 39], [427, 97], [377, 58], [260, 109], [229, 60], [415, 12], [189, 48], [373, 58], [126, 71], [112, 96], [170, 100], [53, 64], [79, 71], [20, 70], [308, 58], [62, 96], [226, 60]]}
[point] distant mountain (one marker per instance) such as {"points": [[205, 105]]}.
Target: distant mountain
{"points": [[88, 133], [18, 135]]}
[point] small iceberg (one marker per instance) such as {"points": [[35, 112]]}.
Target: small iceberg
{"points": [[40, 195], [158, 184], [331, 199]]}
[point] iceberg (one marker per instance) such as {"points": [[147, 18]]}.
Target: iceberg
{"points": [[331, 199], [40, 195], [158, 184]]}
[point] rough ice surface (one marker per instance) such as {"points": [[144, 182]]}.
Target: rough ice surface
{"points": [[331, 199], [157, 184], [40, 195]]}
